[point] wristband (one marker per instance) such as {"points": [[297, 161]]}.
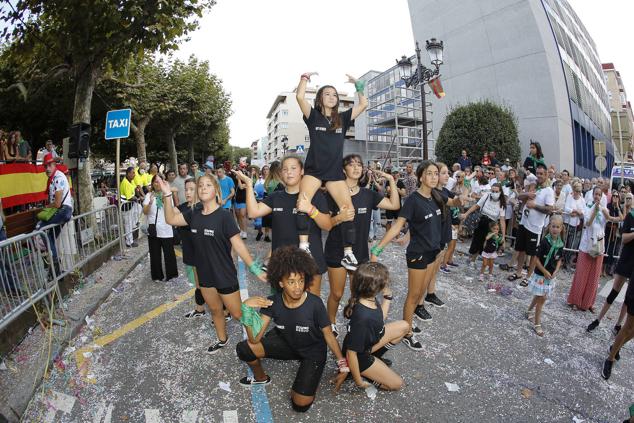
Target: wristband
{"points": [[388, 297], [376, 250], [256, 268], [168, 195], [342, 364], [359, 86], [314, 214], [251, 318]]}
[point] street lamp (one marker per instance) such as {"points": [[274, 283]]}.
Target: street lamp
{"points": [[421, 76]]}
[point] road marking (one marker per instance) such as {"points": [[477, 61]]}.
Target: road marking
{"points": [[152, 415], [108, 417], [259, 399], [230, 416], [605, 291], [189, 416], [58, 402], [129, 327]]}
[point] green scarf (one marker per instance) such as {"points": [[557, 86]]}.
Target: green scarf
{"points": [[498, 240], [555, 244], [537, 161], [251, 318], [159, 201]]}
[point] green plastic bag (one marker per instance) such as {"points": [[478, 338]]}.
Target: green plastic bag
{"points": [[47, 214]]}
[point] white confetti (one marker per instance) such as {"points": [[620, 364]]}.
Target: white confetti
{"points": [[87, 354], [188, 349], [3, 366], [224, 386], [371, 391], [549, 361], [452, 387], [576, 419]]}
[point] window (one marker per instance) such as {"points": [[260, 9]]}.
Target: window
{"points": [[284, 113]]}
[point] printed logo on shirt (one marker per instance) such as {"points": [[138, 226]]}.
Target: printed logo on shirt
{"points": [[281, 327], [194, 231], [338, 131], [209, 232], [321, 128], [278, 209], [303, 329], [438, 212], [362, 210]]}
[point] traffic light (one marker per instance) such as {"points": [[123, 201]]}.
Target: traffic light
{"points": [[79, 145]]}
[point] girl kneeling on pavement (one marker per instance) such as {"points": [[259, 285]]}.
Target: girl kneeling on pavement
{"points": [[547, 264], [302, 329], [368, 337], [214, 234]]}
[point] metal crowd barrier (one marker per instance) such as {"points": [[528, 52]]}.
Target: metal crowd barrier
{"points": [[28, 271]]}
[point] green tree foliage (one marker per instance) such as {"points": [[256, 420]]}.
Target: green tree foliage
{"points": [[478, 127]]}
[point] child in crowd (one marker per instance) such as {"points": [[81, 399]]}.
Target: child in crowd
{"points": [[492, 243], [548, 262]]}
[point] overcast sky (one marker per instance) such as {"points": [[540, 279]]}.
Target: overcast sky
{"points": [[259, 48]]}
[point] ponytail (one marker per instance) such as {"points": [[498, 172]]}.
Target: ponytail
{"points": [[347, 310], [435, 194]]}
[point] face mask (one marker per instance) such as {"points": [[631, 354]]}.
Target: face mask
{"points": [[141, 171], [495, 196]]}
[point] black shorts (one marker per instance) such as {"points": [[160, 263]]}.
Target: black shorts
{"points": [[392, 214], [526, 241], [224, 291], [309, 372], [421, 261], [629, 298], [625, 266]]}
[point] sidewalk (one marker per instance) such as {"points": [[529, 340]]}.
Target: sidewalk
{"points": [[21, 373]]}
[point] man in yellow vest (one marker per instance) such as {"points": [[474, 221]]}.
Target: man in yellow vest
{"points": [[130, 194]]}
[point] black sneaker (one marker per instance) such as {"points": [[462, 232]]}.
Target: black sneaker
{"points": [[267, 239], [249, 381], [195, 313], [217, 346], [432, 299], [422, 314], [616, 329], [444, 269], [607, 369], [416, 329], [452, 264], [411, 343], [592, 326], [618, 354], [350, 262], [259, 236]]}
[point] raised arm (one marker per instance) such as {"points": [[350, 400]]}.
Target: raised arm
{"points": [[300, 95], [171, 217], [254, 209], [363, 101], [393, 202]]}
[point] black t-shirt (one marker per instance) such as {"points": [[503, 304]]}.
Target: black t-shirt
{"points": [[241, 193], [365, 329], [492, 244], [211, 236], [425, 222], [324, 160], [301, 327], [187, 243], [364, 202], [284, 228], [542, 252], [446, 224], [627, 253]]}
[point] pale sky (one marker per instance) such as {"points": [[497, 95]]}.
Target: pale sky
{"points": [[259, 48]]}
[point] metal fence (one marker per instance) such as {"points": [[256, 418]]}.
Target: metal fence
{"points": [[29, 270]]}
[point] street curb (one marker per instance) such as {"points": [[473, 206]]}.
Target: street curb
{"points": [[13, 412]]}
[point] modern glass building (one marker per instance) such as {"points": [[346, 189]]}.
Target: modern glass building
{"points": [[534, 56]]}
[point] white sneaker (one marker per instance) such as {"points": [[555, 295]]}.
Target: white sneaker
{"points": [[243, 235]]}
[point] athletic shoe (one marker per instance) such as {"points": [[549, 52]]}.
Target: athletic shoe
{"points": [[227, 319], [217, 346], [416, 329], [334, 329], [524, 283], [607, 369], [592, 326], [243, 235], [445, 269], [481, 277], [618, 354], [249, 381], [422, 314], [616, 329], [195, 313], [267, 239], [411, 343], [349, 261], [432, 299], [452, 264], [259, 236]]}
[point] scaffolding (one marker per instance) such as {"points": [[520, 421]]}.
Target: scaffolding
{"points": [[394, 126]]}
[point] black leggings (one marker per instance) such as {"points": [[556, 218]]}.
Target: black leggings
{"points": [[479, 235]]}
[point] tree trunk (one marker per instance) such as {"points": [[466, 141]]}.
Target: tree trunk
{"points": [[190, 157], [85, 81], [138, 131], [171, 144]]}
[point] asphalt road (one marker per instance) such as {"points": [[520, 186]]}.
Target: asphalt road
{"points": [[156, 370]]}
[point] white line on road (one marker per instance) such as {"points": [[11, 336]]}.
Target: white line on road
{"points": [[152, 415], [107, 418], [59, 402], [230, 416], [189, 416]]}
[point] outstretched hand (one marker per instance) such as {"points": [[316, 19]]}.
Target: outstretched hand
{"points": [[351, 79], [258, 302], [165, 186], [245, 179]]}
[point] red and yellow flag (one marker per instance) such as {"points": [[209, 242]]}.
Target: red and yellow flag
{"points": [[23, 183], [436, 87]]}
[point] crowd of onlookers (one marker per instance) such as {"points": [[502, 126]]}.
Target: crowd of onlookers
{"points": [[14, 148]]}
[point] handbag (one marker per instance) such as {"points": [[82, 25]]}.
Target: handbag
{"points": [[151, 228], [47, 213], [598, 245]]}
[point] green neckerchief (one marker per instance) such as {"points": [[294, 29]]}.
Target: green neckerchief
{"points": [[599, 216], [497, 239], [251, 318], [159, 201], [555, 244], [537, 161]]}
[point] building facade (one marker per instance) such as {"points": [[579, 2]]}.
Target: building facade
{"points": [[287, 132], [533, 56], [620, 111]]}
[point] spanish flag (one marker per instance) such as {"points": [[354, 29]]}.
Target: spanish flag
{"points": [[436, 87], [23, 183]]}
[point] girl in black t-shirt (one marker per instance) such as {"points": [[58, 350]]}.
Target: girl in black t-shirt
{"points": [[492, 242], [284, 205], [424, 211], [214, 234], [302, 329], [368, 337], [547, 264], [364, 201], [327, 129]]}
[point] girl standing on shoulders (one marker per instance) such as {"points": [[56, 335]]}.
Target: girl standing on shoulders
{"points": [[214, 234], [547, 264], [327, 129]]}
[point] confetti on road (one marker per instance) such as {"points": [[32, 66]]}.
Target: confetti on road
{"points": [[452, 387]]}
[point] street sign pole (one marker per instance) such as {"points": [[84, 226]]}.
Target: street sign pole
{"points": [[117, 171]]}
